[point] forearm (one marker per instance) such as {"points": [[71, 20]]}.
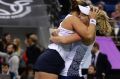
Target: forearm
{"points": [[70, 39], [3, 54], [66, 39], [92, 28], [87, 33], [91, 33]]}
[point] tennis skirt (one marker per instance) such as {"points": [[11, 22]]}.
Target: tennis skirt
{"points": [[50, 61]]}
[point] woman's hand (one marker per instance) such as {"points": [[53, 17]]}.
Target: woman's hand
{"points": [[54, 32], [94, 12]]}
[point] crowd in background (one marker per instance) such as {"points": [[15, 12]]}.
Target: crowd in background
{"points": [[17, 61]]}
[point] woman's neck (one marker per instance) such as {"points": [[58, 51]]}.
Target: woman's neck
{"points": [[74, 13]]}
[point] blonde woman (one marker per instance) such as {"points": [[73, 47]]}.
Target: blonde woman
{"points": [[19, 50]]}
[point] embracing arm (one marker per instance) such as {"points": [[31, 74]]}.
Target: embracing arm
{"points": [[87, 36], [65, 39], [86, 32]]}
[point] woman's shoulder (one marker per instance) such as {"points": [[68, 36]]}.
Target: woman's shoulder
{"points": [[75, 20], [71, 18]]}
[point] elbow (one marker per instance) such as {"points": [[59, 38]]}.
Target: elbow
{"points": [[88, 40], [88, 37]]}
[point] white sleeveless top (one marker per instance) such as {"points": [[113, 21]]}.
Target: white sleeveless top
{"points": [[62, 49]]}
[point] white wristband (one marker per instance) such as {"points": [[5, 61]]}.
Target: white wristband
{"points": [[93, 21]]}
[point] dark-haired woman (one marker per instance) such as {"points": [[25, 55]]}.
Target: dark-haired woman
{"points": [[51, 62]]}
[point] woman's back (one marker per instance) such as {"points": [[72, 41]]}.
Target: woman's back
{"points": [[67, 22], [65, 29]]}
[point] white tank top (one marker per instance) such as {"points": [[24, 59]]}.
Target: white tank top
{"points": [[62, 49]]}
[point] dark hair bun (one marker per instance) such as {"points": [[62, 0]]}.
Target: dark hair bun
{"points": [[74, 5]]}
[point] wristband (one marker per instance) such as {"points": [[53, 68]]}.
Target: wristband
{"points": [[93, 21]]}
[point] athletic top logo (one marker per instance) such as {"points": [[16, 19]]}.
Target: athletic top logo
{"points": [[17, 9]]}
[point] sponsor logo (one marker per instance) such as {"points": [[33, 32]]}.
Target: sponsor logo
{"points": [[17, 9]]}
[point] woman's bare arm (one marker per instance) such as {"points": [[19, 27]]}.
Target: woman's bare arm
{"points": [[65, 39], [87, 33]]}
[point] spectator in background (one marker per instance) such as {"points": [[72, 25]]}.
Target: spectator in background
{"points": [[101, 62], [33, 49], [116, 18], [101, 5], [1, 45], [12, 59], [19, 53], [91, 72], [6, 71], [6, 39], [19, 50], [116, 15]]}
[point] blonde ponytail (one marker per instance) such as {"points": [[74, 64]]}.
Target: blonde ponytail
{"points": [[103, 24]]}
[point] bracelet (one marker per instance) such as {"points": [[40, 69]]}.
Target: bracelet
{"points": [[93, 21]]}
